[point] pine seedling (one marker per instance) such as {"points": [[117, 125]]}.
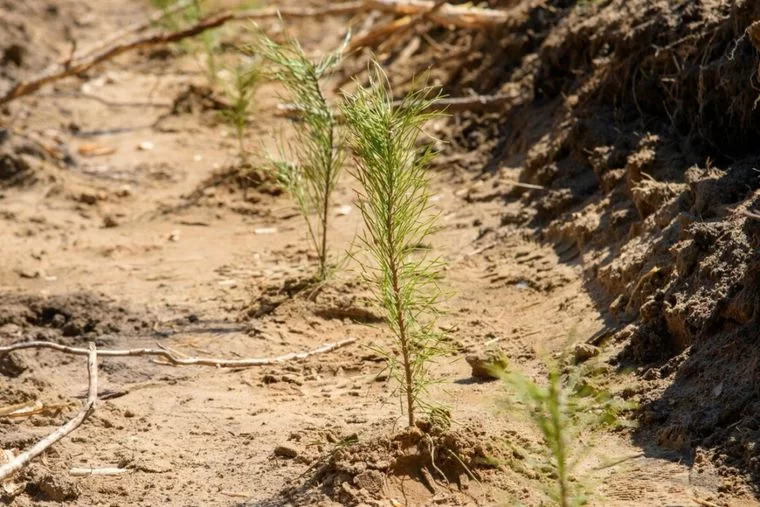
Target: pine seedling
{"points": [[239, 91], [319, 159], [395, 207], [564, 409], [190, 15]]}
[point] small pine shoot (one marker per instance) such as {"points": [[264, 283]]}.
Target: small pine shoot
{"points": [[319, 160], [394, 203], [239, 92], [563, 409]]}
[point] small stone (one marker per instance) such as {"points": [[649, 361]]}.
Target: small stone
{"points": [[55, 488], [12, 365], [370, 480], [110, 222], [488, 365], [88, 198], [584, 352], [285, 451]]}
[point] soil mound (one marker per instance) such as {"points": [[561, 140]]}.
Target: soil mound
{"points": [[361, 473], [637, 123]]}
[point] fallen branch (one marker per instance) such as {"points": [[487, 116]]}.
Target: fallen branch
{"points": [[396, 28], [459, 16], [137, 27], [182, 361], [448, 105], [26, 457]]}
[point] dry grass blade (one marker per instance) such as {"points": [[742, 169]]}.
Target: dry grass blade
{"points": [[172, 358], [22, 409], [26, 457]]}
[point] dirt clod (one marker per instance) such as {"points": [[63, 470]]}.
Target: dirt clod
{"points": [[285, 451], [51, 487], [490, 364]]}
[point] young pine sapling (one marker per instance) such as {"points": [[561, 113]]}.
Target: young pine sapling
{"points": [[563, 409], [394, 203], [319, 158]]}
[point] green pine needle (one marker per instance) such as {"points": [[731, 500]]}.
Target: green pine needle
{"points": [[394, 203], [313, 178]]}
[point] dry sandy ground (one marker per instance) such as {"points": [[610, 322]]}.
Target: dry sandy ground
{"points": [[125, 246]]}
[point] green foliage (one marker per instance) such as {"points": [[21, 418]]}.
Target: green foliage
{"points": [[563, 409], [239, 91], [319, 159], [207, 42], [394, 203]]}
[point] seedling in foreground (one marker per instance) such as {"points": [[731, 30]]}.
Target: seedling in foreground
{"points": [[319, 159], [394, 203], [563, 410]]}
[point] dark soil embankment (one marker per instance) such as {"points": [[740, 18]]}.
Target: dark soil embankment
{"points": [[640, 120]]}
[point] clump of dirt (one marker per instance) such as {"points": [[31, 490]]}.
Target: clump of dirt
{"points": [[342, 301], [45, 485], [228, 186], [365, 472], [21, 161], [196, 99], [68, 318]]}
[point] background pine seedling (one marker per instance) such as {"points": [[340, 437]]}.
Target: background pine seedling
{"points": [[239, 92], [311, 179], [394, 203], [564, 409]]}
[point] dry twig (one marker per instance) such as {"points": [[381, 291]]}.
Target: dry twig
{"points": [[464, 17], [172, 358], [82, 472], [750, 214], [26, 457]]}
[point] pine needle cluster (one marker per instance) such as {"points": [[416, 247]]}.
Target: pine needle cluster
{"points": [[565, 410], [313, 176], [395, 206]]}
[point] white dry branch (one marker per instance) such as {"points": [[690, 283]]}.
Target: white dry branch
{"points": [[173, 357], [27, 456], [83, 472]]}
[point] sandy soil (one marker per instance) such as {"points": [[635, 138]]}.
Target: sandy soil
{"points": [[145, 246]]}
